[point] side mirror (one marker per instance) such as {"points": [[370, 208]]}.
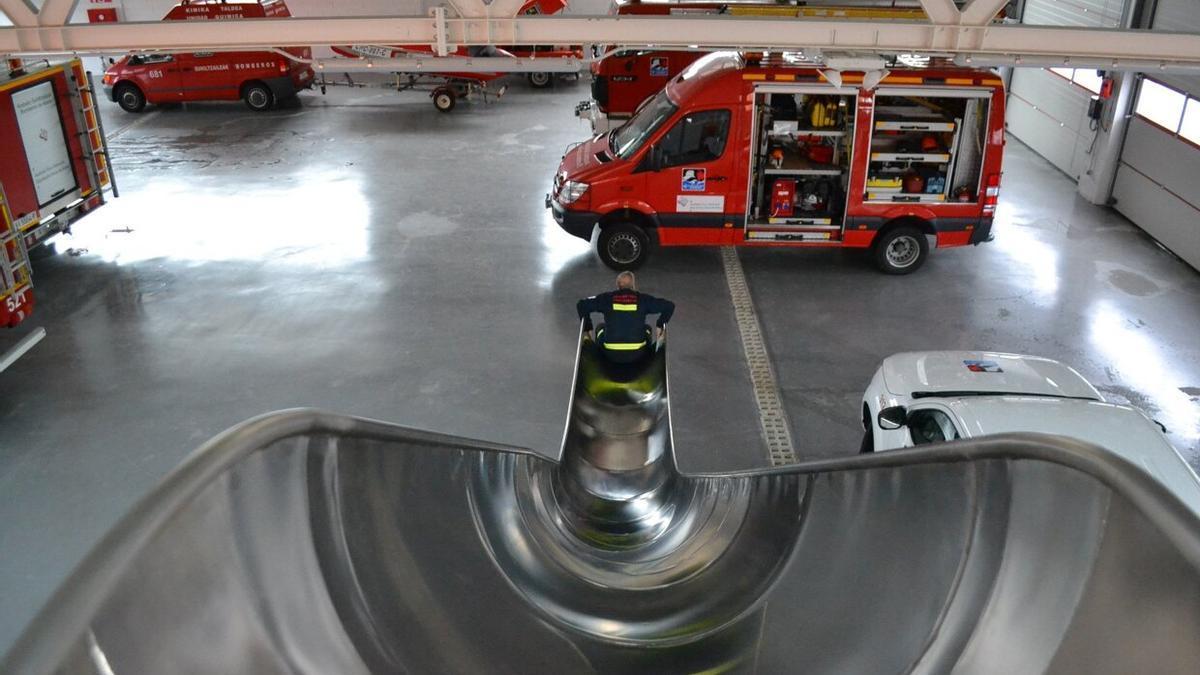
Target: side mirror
{"points": [[111, 61], [893, 418]]}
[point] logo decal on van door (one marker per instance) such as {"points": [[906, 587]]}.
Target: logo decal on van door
{"points": [[694, 179], [658, 67]]}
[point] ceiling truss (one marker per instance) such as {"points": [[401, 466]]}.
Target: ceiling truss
{"points": [[968, 34]]}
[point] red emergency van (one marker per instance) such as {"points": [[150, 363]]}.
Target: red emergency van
{"points": [[259, 78], [782, 155]]}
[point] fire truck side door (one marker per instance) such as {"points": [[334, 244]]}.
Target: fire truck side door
{"points": [[158, 76], [695, 170], [207, 76]]}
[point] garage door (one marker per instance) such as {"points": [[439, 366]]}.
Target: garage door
{"points": [[1047, 109], [1158, 178]]}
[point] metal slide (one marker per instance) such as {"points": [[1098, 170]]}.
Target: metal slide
{"points": [[305, 542]]}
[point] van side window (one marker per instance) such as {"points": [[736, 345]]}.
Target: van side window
{"points": [[147, 59], [930, 426], [697, 137]]}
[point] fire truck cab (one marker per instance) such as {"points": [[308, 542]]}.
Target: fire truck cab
{"points": [[625, 78], [261, 79], [781, 155]]}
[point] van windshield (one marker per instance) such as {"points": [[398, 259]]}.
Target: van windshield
{"points": [[629, 138]]}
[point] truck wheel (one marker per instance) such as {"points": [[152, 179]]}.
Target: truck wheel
{"points": [[901, 250], [623, 246], [444, 99], [540, 80], [258, 96], [130, 98]]}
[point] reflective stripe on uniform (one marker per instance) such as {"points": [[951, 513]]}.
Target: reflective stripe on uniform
{"points": [[624, 346], [621, 307]]}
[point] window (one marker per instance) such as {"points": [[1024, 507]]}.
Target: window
{"points": [[1190, 129], [1065, 73], [697, 137], [1088, 79], [1085, 77], [147, 59], [930, 426], [1161, 105], [628, 138]]}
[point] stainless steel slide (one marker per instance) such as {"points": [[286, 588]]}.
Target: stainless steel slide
{"points": [[305, 542]]}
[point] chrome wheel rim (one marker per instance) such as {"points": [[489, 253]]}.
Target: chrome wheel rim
{"points": [[258, 98], [442, 101], [903, 251], [129, 100], [624, 248], [539, 79]]}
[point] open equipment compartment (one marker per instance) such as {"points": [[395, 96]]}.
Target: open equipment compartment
{"points": [[927, 145], [800, 164]]}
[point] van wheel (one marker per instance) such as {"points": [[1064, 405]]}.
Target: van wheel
{"points": [[130, 98], [623, 246], [258, 96], [444, 99], [901, 250], [540, 80]]}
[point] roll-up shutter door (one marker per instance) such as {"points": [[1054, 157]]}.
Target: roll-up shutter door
{"points": [[1048, 112]]}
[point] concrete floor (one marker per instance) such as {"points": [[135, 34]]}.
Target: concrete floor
{"points": [[363, 253]]}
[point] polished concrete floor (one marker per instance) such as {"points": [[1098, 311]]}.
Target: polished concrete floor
{"points": [[363, 253]]}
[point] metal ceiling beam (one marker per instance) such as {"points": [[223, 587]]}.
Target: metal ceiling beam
{"points": [[451, 64], [19, 12], [675, 31], [980, 12], [943, 12], [56, 12]]}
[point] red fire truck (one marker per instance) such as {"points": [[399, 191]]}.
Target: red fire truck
{"points": [[626, 77], [259, 78], [53, 168], [783, 155]]}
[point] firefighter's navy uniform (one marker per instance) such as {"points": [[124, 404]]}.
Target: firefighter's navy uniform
{"points": [[624, 335]]}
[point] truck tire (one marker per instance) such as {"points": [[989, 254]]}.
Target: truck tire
{"points": [[623, 246], [258, 96], [901, 250], [130, 98], [444, 99], [540, 80]]}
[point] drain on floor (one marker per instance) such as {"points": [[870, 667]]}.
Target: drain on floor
{"points": [[776, 431]]}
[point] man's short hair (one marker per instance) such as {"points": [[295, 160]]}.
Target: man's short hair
{"points": [[626, 280]]}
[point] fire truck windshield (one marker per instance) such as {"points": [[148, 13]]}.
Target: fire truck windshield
{"points": [[625, 141]]}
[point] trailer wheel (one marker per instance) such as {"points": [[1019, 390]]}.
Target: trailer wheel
{"points": [[901, 250], [258, 96], [623, 246], [130, 98], [540, 80], [444, 99]]}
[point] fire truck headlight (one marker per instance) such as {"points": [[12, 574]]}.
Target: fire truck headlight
{"points": [[571, 191]]}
